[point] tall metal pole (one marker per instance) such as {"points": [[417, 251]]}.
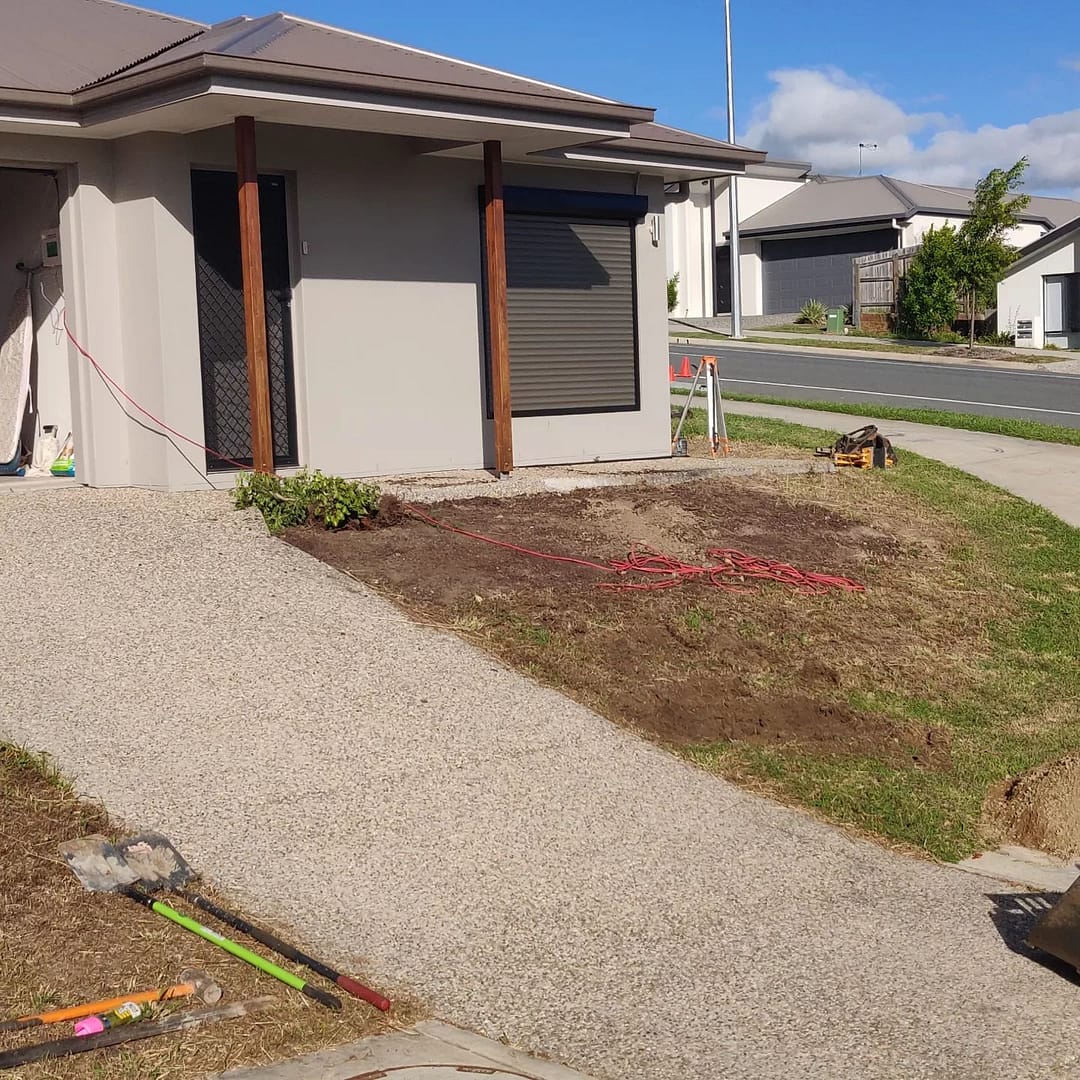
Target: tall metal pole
{"points": [[733, 190]]}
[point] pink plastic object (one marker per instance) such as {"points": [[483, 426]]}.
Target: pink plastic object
{"points": [[90, 1025]]}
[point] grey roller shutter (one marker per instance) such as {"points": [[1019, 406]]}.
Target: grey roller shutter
{"points": [[573, 334]]}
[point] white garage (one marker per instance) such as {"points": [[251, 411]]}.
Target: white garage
{"points": [[1039, 298]]}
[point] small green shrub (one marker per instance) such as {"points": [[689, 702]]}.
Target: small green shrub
{"points": [[672, 292], [948, 337], [1051, 346], [999, 337], [307, 497], [813, 312]]}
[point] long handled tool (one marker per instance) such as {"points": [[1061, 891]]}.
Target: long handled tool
{"points": [[159, 865], [193, 984], [102, 868], [56, 1048]]}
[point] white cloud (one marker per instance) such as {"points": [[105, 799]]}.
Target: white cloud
{"points": [[821, 116]]}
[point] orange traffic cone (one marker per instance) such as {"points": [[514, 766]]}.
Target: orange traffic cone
{"points": [[671, 372], [684, 371]]}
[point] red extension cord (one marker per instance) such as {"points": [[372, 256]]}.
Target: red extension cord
{"points": [[730, 571]]}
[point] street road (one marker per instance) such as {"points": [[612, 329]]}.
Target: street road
{"points": [[1029, 392]]}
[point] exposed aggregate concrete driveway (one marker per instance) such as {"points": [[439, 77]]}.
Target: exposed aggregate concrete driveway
{"points": [[524, 866]]}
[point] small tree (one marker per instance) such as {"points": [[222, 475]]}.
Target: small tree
{"points": [[927, 302], [982, 255], [672, 293]]}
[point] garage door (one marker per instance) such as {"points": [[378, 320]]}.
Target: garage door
{"points": [[814, 268]]}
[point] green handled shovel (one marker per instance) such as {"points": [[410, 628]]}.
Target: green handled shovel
{"points": [[101, 867]]}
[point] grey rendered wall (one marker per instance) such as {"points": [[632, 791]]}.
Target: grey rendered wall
{"points": [[386, 299], [388, 321]]}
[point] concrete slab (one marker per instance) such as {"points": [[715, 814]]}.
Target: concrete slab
{"points": [[566, 478], [432, 1050], [1022, 866]]}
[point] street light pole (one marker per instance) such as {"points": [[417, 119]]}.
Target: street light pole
{"points": [[865, 146], [733, 190]]}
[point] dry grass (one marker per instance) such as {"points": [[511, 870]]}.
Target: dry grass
{"points": [[60, 945]]}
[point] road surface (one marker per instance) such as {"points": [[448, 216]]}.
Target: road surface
{"points": [[1030, 393]]}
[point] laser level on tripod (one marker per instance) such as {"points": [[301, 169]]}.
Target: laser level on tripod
{"points": [[707, 378]]}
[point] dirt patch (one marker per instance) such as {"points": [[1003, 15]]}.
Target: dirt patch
{"points": [[60, 946], [688, 665], [981, 353], [1039, 809]]}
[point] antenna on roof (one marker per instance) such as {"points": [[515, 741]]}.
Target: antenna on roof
{"points": [[865, 146]]}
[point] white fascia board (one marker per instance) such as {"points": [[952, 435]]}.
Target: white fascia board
{"points": [[352, 103]]}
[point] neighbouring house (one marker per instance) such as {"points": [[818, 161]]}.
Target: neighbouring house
{"points": [[299, 246], [1039, 297], [697, 223], [799, 245]]}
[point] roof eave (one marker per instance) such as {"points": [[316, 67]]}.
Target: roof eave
{"points": [[131, 86], [814, 226], [702, 153]]}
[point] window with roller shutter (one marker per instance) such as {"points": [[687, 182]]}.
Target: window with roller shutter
{"points": [[571, 299]]}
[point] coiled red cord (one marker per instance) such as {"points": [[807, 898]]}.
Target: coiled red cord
{"points": [[731, 570]]}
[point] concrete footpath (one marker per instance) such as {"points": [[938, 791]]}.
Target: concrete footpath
{"points": [[1043, 473], [413, 808]]}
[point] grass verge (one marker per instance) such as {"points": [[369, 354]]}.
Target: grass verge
{"points": [[61, 946], [993, 425], [1022, 709]]}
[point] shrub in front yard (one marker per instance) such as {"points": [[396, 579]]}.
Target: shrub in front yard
{"points": [[813, 312], [307, 497]]}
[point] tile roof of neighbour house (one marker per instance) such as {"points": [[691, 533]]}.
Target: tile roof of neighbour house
{"points": [[832, 201], [56, 46]]}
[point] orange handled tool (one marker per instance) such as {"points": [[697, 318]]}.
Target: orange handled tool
{"points": [[193, 984]]}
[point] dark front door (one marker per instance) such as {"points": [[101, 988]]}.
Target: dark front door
{"points": [[723, 280], [220, 287]]}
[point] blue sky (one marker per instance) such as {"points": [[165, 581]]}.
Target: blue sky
{"points": [[943, 86]]}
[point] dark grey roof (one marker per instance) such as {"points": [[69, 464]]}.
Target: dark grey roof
{"points": [[59, 45], [85, 58], [831, 201], [289, 40]]}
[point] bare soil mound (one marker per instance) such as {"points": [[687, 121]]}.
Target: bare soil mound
{"points": [[1040, 809]]}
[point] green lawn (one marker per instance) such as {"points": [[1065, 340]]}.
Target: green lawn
{"points": [[994, 425], [1024, 706]]}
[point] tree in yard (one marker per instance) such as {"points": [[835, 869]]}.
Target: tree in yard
{"points": [[927, 302], [982, 255]]}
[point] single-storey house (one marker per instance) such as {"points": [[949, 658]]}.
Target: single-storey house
{"points": [[1039, 297], [799, 232], [291, 245]]}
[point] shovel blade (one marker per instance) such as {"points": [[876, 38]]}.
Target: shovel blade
{"points": [[97, 864], [1058, 931], [158, 864]]}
